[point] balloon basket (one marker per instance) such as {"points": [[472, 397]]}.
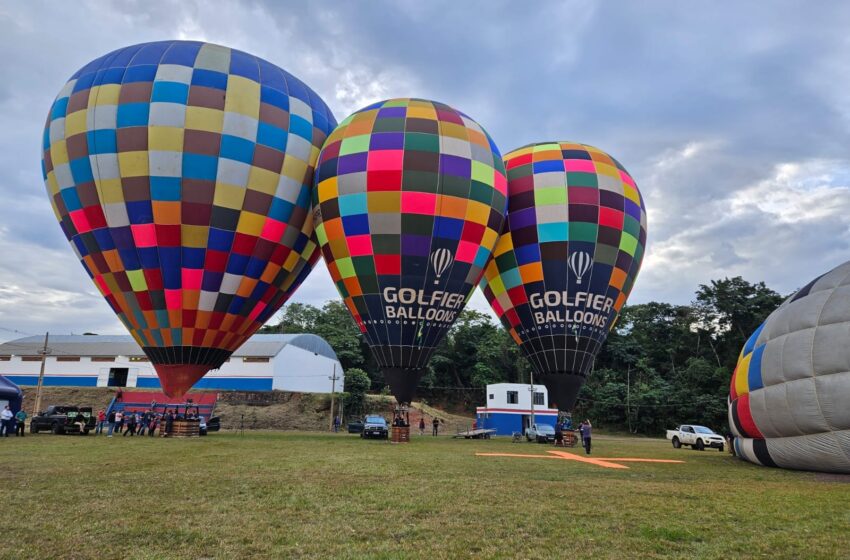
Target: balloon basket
{"points": [[400, 434], [184, 429]]}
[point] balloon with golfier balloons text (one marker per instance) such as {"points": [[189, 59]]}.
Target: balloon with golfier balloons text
{"points": [[567, 260], [408, 205]]}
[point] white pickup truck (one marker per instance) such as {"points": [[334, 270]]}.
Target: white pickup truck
{"points": [[698, 437]]}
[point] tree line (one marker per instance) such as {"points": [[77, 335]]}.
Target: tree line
{"points": [[662, 364]]}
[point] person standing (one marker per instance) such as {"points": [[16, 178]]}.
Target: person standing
{"points": [[169, 423], [421, 425], [131, 425], [143, 423], [101, 420], [20, 418], [6, 421], [586, 428], [119, 421], [435, 427], [110, 422], [337, 422]]}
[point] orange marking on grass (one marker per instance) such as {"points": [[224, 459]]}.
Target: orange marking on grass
{"points": [[605, 462]]}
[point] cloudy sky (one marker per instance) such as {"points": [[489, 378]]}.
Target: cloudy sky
{"points": [[733, 117]]}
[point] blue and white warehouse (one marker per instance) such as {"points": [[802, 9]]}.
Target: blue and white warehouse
{"points": [[513, 407], [303, 363]]}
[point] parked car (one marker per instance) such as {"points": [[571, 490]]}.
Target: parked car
{"points": [[375, 427], [541, 433], [62, 419], [211, 425], [355, 427], [698, 437]]}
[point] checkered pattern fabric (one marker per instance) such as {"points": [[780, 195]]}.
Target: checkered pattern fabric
{"points": [[181, 173], [568, 258], [410, 197]]}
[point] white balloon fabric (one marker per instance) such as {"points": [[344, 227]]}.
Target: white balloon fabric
{"points": [[789, 402]]}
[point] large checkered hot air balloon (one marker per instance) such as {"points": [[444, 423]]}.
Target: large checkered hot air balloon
{"points": [[789, 400], [181, 173], [567, 260], [409, 202]]}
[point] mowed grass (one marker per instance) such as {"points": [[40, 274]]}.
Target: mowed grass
{"points": [[306, 495]]}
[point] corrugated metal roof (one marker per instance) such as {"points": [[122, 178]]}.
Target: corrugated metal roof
{"points": [[261, 345]]}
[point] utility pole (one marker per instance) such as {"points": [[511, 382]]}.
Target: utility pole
{"points": [[333, 379], [43, 353], [532, 398]]}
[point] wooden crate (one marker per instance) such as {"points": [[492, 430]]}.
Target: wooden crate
{"points": [[400, 434]]}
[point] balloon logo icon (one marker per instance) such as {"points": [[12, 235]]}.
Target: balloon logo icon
{"points": [[580, 262], [441, 260]]}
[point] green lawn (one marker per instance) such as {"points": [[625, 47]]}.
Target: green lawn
{"points": [[300, 495]]}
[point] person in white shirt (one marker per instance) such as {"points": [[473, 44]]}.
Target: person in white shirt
{"points": [[6, 417]]}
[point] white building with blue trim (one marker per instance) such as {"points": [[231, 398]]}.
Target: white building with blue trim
{"points": [[509, 408], [301, 363]]}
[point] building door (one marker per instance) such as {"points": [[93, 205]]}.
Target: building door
{"points": [[526, 422], [117, 377]]}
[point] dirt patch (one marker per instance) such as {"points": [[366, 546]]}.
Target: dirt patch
{"points": [[832, 477]]}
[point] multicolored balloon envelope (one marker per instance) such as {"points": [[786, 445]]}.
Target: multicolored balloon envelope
{"points": [[789, 402], [409, 201], [181, 173], [568, 258]]}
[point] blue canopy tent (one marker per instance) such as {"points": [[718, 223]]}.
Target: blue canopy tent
{"points": [[11, 394]]}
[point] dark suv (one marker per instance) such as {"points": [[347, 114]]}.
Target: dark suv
{"points": [[62, 419], [375, 427]]}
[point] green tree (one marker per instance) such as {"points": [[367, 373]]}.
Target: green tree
{"points": [[357, 383]]}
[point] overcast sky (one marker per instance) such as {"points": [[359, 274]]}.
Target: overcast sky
{"points": [[733, 117]]}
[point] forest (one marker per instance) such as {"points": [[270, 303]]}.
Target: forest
{"points": [[662, 364]]}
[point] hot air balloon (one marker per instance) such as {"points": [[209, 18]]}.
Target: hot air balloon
{"points": [[409, 200], [181, 174], [789, 401], [567, 260]]}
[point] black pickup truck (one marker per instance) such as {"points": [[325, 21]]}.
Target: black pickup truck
{"points": [[62, 419]]}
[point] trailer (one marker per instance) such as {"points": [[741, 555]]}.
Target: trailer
{"points": [[478, 433]]}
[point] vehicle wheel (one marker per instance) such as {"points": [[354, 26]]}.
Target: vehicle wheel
{"points": [[721, 449], [676, 443], [85, 432], [55, 429], [700, 446], [33, 429]]}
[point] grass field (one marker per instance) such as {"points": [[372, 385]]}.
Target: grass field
{"points": [[300, 495]]}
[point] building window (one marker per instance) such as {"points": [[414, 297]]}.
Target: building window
{"points": [[30, 358], [139, 359], [103, 358], [538, 398], [513, 397], [492, 396], [67, 358], [254, 359], [5, 358]]}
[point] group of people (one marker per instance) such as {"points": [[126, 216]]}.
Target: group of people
{"points": [[10, 422], [585, 429], [138, 423]]}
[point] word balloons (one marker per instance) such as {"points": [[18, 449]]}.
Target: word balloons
{"points": [[408, 205], [789, 401], [181, 173], [567, 260]]}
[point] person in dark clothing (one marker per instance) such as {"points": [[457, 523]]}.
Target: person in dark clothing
{"points": [[559, 435], [131, 425], [169, 422], [143, 424], [110, 423], [435, 426], [421, 425], [585, 428]]}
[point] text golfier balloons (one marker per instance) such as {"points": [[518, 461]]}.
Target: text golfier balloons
{"points": [[568, 258], [789, 401], [409, 200], [181, 173]]}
